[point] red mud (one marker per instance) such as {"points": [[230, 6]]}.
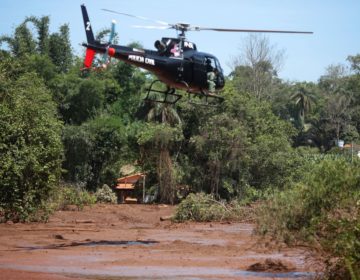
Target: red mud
{"points": [[130, 242]]}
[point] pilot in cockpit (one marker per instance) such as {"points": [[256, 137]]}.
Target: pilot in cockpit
{"points": [[211, 76]]}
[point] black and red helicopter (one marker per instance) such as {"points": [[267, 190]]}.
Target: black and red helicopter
{"points": [[176, 62]]}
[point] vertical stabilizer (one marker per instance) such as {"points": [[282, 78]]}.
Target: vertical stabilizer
{"points": [[87, 25]]}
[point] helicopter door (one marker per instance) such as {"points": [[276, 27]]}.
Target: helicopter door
{"points": [[202, 65], [199, 72], [211, 64]]}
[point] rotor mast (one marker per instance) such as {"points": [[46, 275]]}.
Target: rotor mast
{"points": [[182, 27]]}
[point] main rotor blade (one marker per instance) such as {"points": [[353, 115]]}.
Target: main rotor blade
{"points": [[138, 17], [151, 27], [187, 27], [249, 30]]}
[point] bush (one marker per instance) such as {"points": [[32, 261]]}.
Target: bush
{"points": [[325, 209], [105, 195], [199, 207], [340, 234], [71, 195], [59, 199], [203, 207]]}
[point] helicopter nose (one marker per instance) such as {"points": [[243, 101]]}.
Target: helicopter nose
{"points": [[220, 81]]}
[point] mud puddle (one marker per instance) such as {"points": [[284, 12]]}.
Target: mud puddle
{"points": [[91, 243]]}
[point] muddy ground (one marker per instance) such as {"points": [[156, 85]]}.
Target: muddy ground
{"points": [[130, 242]]}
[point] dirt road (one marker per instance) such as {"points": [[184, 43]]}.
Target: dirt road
{"points": [[130, 242]]}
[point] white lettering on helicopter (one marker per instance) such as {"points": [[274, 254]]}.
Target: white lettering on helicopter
{"points": [[141, 59], [150, 61], [188, 45]]}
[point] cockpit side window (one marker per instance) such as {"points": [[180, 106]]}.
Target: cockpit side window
{"points": [[209, 61], [175, 50], [213, 62]]}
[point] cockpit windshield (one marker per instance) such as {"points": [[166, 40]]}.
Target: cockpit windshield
{"points": [[218, 66]]}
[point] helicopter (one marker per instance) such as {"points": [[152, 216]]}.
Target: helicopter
{"points": [[176, 62]]}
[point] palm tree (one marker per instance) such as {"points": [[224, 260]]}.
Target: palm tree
{"points": [[338, 112], [164, 113], [304, 100]]}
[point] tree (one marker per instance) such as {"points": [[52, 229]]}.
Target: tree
{"points": [[56, 46], [268, 159], [170, 126], [131, 81], [355, 62], [87, 101], [21, 43], [42, 65], [30, 142], [255, 71], [157, 140], [339, 95], [219, 149], [337, 113], [160, 153], [166, 115], [93, 151], [163, 113], [238, 146], [304, 99], [334, 79], [60, 49], [42, 26]]}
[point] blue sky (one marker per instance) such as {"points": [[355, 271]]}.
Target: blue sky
{"points": [[335, 25]]}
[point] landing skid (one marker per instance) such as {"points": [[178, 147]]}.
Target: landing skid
{"points": [[167, 96], [205, 99]]}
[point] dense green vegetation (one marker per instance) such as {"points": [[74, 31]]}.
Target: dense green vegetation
{"points": [[321, 209], [64, 131]]}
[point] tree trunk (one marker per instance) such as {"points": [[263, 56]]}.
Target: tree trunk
{"points": [[215, 178], [301, 118], [166, 177]]}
